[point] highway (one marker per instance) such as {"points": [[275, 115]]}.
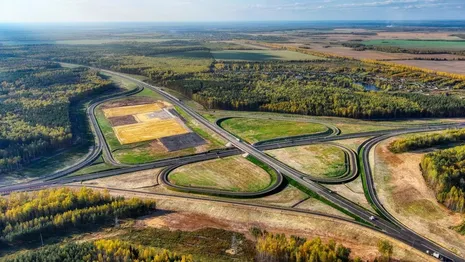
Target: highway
{"points": [[398, 231], [418, 241], [389, 227]]}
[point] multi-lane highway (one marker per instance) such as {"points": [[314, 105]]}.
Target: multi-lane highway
{"points": [[396, 230], [389, 226]]}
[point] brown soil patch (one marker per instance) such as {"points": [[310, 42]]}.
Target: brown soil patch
{"points": [[194, 215], [456, 67], [122, 120], [184, 221], [131, 101], [404, 192], [157, 147]]}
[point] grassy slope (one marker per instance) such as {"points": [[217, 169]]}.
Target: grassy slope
{"points": [[320, 160], [230, 173], [254, 130]]}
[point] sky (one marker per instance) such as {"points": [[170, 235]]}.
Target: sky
{"points": [[227, 10]]}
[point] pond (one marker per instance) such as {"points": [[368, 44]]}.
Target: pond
{"points": [[369, 87]]}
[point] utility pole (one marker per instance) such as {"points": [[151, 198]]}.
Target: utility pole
{"points": [[41, 239]]}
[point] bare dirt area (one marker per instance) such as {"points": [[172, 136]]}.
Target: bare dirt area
{"points": [[456, 67], [122, 120], [135, 180], [403, 191], [190, 214], [130, 101]]}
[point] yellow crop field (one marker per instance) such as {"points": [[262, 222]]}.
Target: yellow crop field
{"points": [[132, 110], [149, 131]]}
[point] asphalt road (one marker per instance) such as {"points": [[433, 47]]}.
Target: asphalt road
{"points": [[393, 229], [416, 240]]}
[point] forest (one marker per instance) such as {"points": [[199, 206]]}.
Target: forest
{"points": [[23, 216], [278, 247], [394, 49], [444, 171], [99, 250], [35, 103], [421, 141], [330, 86]]}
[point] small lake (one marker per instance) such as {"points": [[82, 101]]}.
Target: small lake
{"points": [[369, 87]]}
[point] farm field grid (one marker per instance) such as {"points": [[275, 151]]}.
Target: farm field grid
{"points": [[254, 141]]}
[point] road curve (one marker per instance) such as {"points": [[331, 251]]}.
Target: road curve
{"points": [[107, 155], [386, 226], [389, 228], [424, 243]]}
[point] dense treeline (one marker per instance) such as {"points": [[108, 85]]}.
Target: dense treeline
{"points": [[35, 99], [421, 141], [320, 88], [99, 250], [50, 211], [444, 171], [395, 49], [331, 85], [278, 247]]}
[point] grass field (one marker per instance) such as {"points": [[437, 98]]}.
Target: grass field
{"points": [[231, 173], [132, 110], [139, 132], [260, 55], [322, 160], [420, 44], [254, 130]]}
